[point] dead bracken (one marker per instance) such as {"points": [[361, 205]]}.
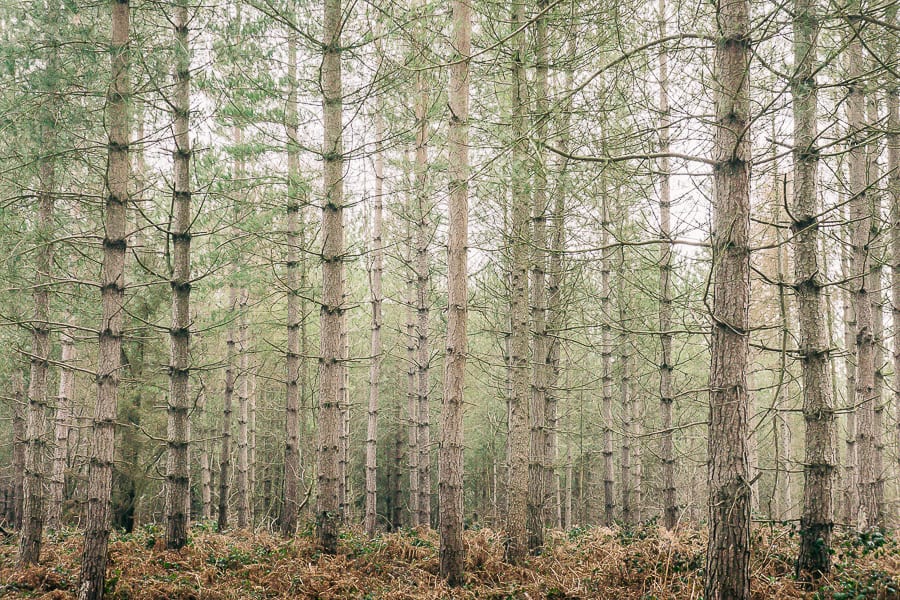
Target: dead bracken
{"points": [[640, 563]]}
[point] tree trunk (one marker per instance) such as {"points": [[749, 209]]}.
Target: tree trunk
{"points": [[606, 349], [781, 494], [893, 166], [626, 400], [728, 557], [62, 430], [330, 425], [227, 401], [344, 492], [538, 462], [423, 288], [112, 294], [817, 517], [452, 551], [243, 440], [517, 448], [37, 405], [877, 298], [18, 444], [666, 367], [861, 217], [291, 502], [851, 458], [251, 447], [376, 349], [412, 405], [205, 470], [178, 492]]}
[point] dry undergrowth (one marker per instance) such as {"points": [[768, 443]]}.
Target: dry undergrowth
{"points": [[628, 564]]}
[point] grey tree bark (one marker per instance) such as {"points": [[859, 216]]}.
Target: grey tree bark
{"points": [[112, 297], [62, 429], [450, 487], [225, 470], [244, 515], [37, 407], [861, 219], [728, 555], [606, 352], [291, 501], [376, 347], [422, 270], [539, 481], [893, 167], [331, 352], [666, 367], [517, 446], [178, 493], [817, 518]]}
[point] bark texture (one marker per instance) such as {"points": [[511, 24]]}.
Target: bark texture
{"points": [[817, 518], [330, 357], [517, 445], [666, 367], [63, 422], [376, 347], [33, 497], [538, 480], [861, 219], [450, 487], [112, 296], [423, 291], [225, 470], [291, 501], [178, 492], [728, 556]]}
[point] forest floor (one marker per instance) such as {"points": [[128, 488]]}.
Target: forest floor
{"points": [[609, 563]]}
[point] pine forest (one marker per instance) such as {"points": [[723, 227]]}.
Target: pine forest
{"points": [[420, 299]]}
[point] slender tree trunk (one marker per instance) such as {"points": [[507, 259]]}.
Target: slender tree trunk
{"points": [[861, 217], [423, 288], [666, 367], [781, 494], [626, 399], [555, 308], [18, 443], [637, 456], [851, 458], [178, 492], [205, 470], [893, 166], [396, 513], [817, 518], [330, 376], [452, 551], [344, 492], [517, 458], [112, 294], [728, 557], [606, 350], [243, 441], [538, 479], [251, 446], [291, 502], [308, 441], [412, 406], [62, 430], [37, 406], [877, 298], [376, 349], [227, 401]]}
